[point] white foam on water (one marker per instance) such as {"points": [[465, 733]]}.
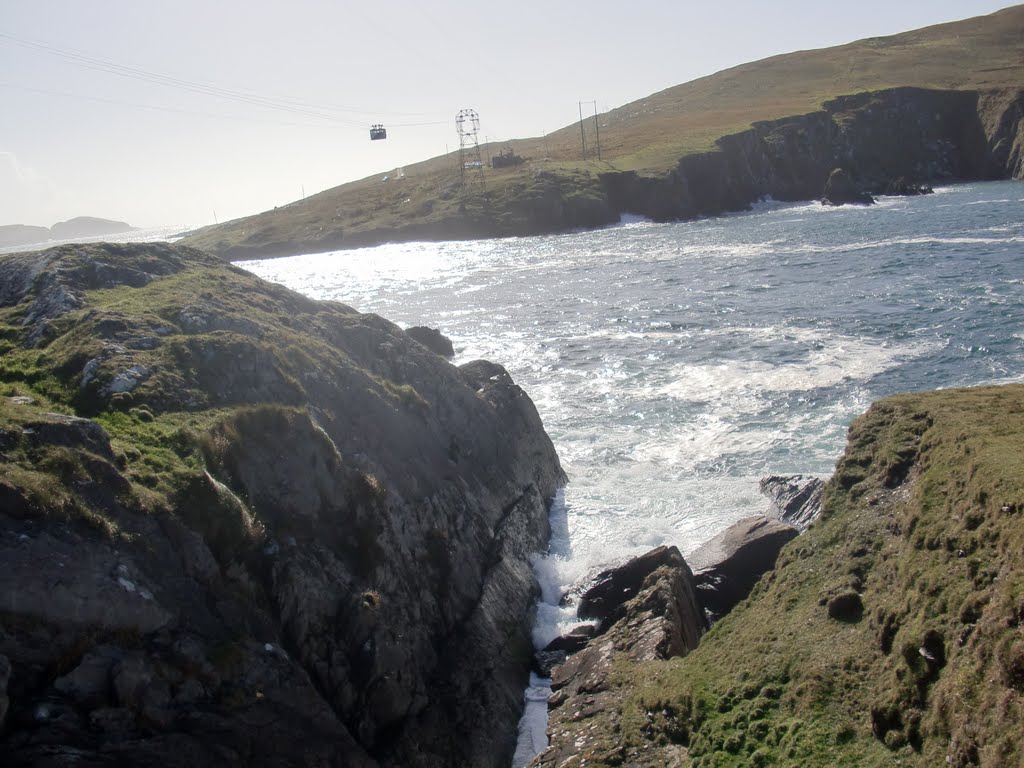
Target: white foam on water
{"points": [[827, 360], [632, 219], [533, 726]]}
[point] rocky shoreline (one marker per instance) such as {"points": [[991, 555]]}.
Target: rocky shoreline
{"points": [[658, 606]]}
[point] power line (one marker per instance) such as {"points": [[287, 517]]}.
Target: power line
{"points": [[253, 99], [160, 108]]}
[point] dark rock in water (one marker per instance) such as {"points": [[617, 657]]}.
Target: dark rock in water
{"points": [[559, 649], [660, 620], [615, 586], [903, 187], [728, 566], [323, 561], [572, 641], [432, 339], [841, 189], [846, 606], [795, 499]]}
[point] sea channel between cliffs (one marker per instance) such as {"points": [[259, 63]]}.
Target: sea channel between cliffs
{"points": [[675, 365]]}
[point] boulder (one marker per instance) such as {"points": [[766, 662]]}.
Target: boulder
{"points": [[727, 567], [432, 339], [615, 586], [572, 641], [841, 189], [795, 499]]}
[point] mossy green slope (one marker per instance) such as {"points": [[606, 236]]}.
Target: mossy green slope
{"points": [[891, 633]]}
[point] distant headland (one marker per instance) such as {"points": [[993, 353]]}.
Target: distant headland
{"points": [[937, 105], [80, 226]]}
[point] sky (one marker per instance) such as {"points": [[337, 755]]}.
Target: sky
{"points": [[195, 111]]}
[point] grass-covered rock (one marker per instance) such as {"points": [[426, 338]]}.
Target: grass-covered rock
{"points": [[242, 527], [890, 633]]}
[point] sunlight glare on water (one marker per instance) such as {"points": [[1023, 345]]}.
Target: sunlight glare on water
{"points": [[674, 365]]}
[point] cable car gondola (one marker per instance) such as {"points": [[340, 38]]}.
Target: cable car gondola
{"points": [[378, 132]]}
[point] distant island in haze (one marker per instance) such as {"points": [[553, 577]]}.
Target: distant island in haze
{"points": [[80, 226]]}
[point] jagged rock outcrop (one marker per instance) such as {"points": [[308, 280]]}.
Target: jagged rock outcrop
{"points": [[613, 587], [841, 189], [650, 612], [242, 527]]}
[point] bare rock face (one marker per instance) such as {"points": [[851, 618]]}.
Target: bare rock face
{"points": [[727, 567], [276, 532], [795, 499]]}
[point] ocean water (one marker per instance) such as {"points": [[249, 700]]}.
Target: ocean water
{"points": [[144, 235], [674, 365]]}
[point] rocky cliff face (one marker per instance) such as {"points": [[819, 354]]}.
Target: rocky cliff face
{"points": [[912, 133], [242, 527]]}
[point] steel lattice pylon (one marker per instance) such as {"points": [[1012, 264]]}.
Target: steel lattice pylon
{"points": [[471, 165]]}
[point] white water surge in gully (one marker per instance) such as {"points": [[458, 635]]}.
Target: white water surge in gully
{"points": [[674, 365]]}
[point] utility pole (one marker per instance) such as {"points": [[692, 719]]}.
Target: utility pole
{"points": [[467, 125], [583, 134], [597, 129]]}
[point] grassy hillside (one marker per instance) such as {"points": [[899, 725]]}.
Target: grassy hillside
{"points": [[649, 135], [891, 633], [652, 133]]}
